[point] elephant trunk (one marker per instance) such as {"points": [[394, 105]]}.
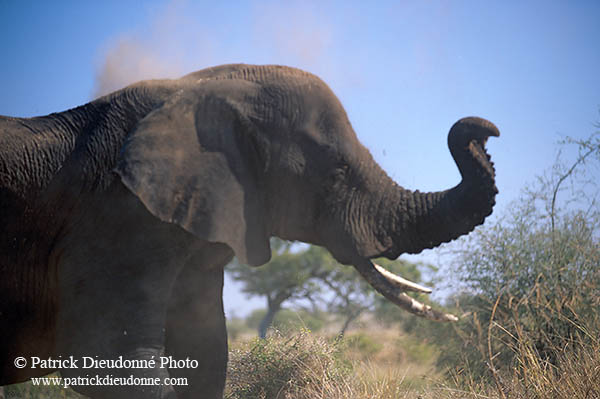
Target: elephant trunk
{"points": [[419, 221], [416, 221]]}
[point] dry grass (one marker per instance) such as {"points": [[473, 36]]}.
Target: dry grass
{"points": [[308, 366], [386, 364]]}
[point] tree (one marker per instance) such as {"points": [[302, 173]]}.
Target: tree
{"points": [[289, 276], [353, 296], [313, 275]]}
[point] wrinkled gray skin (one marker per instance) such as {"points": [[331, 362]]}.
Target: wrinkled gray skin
{"points": [[117, 217]]}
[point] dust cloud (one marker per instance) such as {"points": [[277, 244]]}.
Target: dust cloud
{"points": [[182, 39], [128, 61], [155, 52]]}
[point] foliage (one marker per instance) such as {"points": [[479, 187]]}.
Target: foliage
{"points": [[288, 277], [545, 283], [353, 296], [312, 274], [533, 286], [288, 274]]}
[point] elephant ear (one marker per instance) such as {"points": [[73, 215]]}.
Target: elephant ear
{"points": [[191, 162]]}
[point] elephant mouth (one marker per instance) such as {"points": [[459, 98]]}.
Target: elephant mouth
{"points": [[394, 288]]}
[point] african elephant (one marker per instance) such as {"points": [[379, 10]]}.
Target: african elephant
{"points": [[118, 217]]}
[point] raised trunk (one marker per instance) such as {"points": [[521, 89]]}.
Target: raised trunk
{"points": [[409, 222], [425, 220]]}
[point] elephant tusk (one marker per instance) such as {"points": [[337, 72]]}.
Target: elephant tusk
{"points": [[420, 309], [393, 289], [401, 282]]}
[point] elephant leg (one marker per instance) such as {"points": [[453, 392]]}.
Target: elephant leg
{"points": [[118, 266], [111, 323], [196, 328]]}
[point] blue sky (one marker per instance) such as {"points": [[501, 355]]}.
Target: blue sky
{"points": [[405, 71]]}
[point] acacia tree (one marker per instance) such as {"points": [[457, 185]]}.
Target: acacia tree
{"points": [[289, 276], [312, 275], [351, 296]]}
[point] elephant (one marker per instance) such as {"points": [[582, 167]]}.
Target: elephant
{"points": [[118, 217]]}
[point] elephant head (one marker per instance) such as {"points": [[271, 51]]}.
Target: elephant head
{"points": [[237, 154]]}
